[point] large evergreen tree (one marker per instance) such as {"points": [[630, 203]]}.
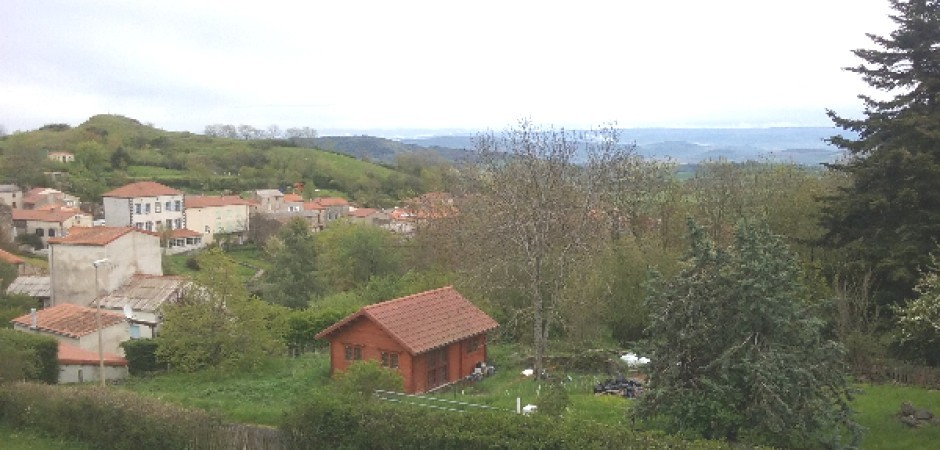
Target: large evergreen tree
{"points": [[737, 353], [888, 218]]}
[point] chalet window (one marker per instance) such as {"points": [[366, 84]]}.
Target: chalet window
{"points": [[146, 208], [179, 223], [179, 205], [208, 230], [139, 225], [473, 344], [353, 352], [390, 360], [52, 232], [168, 206], [149, 226], [40, 232], [137, 208], [157, 207]]}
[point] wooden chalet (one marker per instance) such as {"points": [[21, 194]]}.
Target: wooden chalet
{"points": [[432, 338]]}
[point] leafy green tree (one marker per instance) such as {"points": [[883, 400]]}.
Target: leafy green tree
{"points": [[22, 164], [352, 254], [217, 323], [292, 279], [362, 378], [889, 216], [736, 352], [918, 332]]}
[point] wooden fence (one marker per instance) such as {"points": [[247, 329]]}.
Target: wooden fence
{"points": [[900, 373], [242, 437]]}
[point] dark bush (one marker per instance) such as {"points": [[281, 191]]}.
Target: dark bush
{"points": [[108, 418], [44, 349], [31, 240], [141, 355]]}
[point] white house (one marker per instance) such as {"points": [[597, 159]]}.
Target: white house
{"points": [[217, 214], [145, 205], [77, 325], [77, 365], [120, 252]]}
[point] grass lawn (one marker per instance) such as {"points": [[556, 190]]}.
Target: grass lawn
{"points": [[877, 408], [249, 257], [13, 439], [261, 396]]}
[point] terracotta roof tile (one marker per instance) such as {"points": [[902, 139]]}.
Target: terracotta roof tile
{"points": [[293, 198], [331, 201], [207, 201], [93, 235], [425, 321], [45, 215], [69, 320], [313, 206], [184, 233], [70, 354], [142, 189], [363, 212], [10, 258]]}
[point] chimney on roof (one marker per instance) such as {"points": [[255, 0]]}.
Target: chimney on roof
{"points": [[33, 322]]}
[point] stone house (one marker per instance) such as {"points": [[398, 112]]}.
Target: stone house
{"points": [[145, 205]]}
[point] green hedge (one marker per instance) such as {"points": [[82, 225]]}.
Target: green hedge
{"points": [[44, 349], [141, 355], [347, 423], [108, 418]]}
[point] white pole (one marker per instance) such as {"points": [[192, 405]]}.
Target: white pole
{"points": [[518, 405]]}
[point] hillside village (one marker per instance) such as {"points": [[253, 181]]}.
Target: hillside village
{"points": [[114, 262]]}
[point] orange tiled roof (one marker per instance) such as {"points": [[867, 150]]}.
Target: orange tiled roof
{"points": [[207, 201], [45, 215], [142, 189], [293, 198], [313, 206], [69, 320], [331, 201], [93, 235], [10, 258], [424, 321], [183, 233], [363, 212], [70, 354]]}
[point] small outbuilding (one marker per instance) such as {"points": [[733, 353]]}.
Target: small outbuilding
{"points": [[433, 338]]}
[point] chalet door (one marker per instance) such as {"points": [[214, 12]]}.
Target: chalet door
{"points": [[437, 368]]}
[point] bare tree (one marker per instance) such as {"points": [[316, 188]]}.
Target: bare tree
{"points": [[530, 215]]}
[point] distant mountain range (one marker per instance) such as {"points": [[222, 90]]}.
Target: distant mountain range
{"points": [[800, 145]]}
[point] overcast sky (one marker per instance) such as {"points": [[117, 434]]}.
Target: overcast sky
{"points": [[345, 64]]}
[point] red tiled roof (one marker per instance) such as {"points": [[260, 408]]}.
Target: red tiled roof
{"points": [[184, 233], [313, 206], [363, 212], [142, 189], [93, 235], [70, 354], [45, 215], [207, 201], [293, 198], [10, 258], [425, 321], [331, 201], [69, 320]]}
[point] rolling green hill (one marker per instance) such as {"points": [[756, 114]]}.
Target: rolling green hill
{"points": [[113, 150]]}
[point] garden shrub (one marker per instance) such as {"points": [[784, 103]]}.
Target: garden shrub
{"points": [[110, 419], [43, 349], [339, 422], [141, 355], [362, 378]]}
